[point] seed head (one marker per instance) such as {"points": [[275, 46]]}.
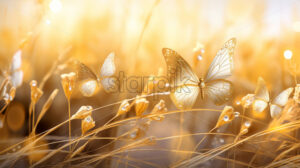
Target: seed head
{"points": [[226, 116], [124, 107], [36, 92], [141, 105], [68, 83], [245, 127], [247, 100], [158, 111], [86, 124], [83, 112]]}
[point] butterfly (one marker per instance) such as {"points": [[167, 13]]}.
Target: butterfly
{"points": [[185, 84], [262, 99], [88, 80]]}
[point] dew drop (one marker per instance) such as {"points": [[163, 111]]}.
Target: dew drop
{"points": [[88, 119], [226, 118], [133, 135], [247, 124], [236, 114]]}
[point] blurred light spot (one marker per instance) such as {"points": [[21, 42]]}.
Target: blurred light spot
{"points": [[199, 47], [288, 54], [48, 21], [37, 150], [15, 116], [296, 26], [199, 57], [55, 6]]}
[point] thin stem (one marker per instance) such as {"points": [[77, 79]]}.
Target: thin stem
{"points": [[29, 117], [180, 131], [33, 118], [93, 137], [69, 110], [204, 138]]}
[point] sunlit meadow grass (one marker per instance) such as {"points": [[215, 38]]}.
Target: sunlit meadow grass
{"points": [[84, 87]]}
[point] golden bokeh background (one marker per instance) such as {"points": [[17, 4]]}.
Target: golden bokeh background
{"points": [[137, 31]]}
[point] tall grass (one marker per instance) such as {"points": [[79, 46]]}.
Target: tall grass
{"points": [[141, 127]]}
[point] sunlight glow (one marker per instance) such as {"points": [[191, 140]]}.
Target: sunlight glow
{"points": [[296, 26], [288, 54], [48, 21], [55, 6]]}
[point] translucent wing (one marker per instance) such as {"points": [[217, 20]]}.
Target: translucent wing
{"points": [[280, 101], [261, 91], [88, 88], [183, 81], [222, 65], [110, 84], [84, 72], [88, 81], [107, 71], [283, 97], [259, 105], [108, 68], [219, 91], [185, 97], [275, 110], [16, 61]]}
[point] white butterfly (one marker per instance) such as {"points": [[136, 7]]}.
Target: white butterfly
{"points": [[16, 73], [262, 99], [89, 82], [185, 85]]}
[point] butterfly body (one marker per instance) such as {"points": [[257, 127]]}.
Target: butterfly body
{"points": [[185, 84], [201, 86]]}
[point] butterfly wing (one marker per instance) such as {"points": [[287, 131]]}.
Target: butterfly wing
{"points": [[222, 65], [261, 91], [107, 71], [183, 81], [184, 97], [283, 97], [259, 105], [262, 96], [218, 90], [84, 72], [108, 68], [280, 101], [88, 82]]}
